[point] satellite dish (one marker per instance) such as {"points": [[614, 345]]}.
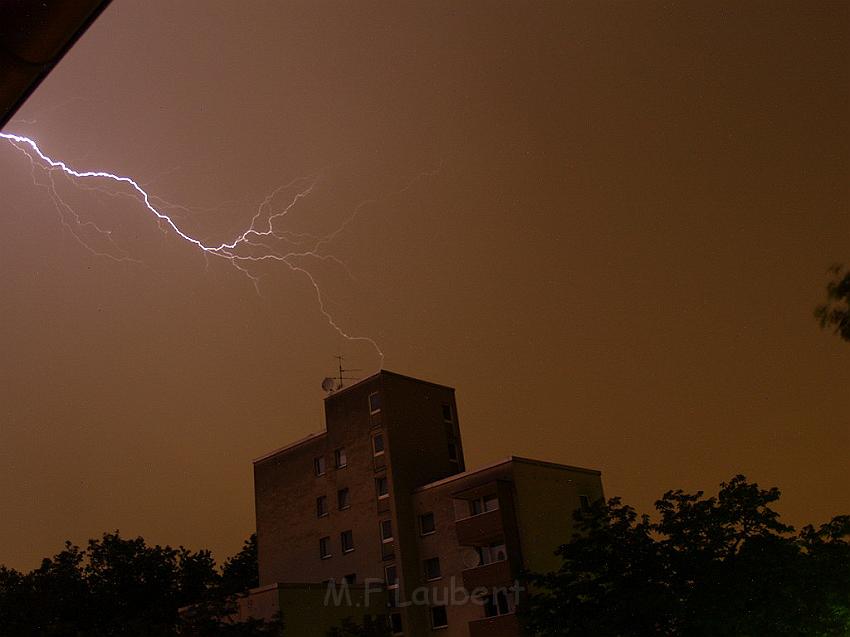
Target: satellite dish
{"points": [[329, 385]]}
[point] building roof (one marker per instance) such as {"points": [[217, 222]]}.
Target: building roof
{"points": [[385, 372], [319, 434], [301, 441], [504, 461]]}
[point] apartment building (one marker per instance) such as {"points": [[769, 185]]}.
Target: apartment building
{"points": [[382, 496]]}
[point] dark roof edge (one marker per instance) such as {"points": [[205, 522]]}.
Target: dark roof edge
{"points": [[557, 465], [45, 68], [290, 446], [386, 372], [508, 460]]}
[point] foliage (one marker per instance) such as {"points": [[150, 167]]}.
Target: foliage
{"points": [[239, 573], [123, 586], [718, 566], [835, 313], [211, 619]]}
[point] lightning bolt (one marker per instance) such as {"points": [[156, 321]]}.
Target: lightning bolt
{"points": [[247, 247]]}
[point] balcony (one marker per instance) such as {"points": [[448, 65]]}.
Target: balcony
{"points": [[501, 626], [489, 576], [479, 529]]}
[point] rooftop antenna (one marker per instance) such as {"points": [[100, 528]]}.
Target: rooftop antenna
{"points": [[332, 384]]}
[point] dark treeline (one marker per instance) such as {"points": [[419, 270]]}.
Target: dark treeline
{"points": [[123, 586], [721, 566]]}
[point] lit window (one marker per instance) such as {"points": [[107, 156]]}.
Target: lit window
{"points": [[491, 553], [324, 547], [343, 499], [452, 452], [340, 459], [321, 506], [378, 444], [395, 624], [447, 413], [426, 524], [497, 604], [432, 568], [382, 487], [439, 617], [346, 540], [391, 575], [319, 465], [386, 531], [374, 403]]}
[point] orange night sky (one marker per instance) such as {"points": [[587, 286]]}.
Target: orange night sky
{"points": [[606, 224]]}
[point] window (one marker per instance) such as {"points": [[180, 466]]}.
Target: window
{"points": [[491, 553], [483, 505], [426, 524], [584, 502], [452, 452], [378, 444], [324, 547], [346, 540], [395, 624], [391, 575], [439, 617], [343, 499], [321, 506], [319, 465], [497, 604], [432, 568], [340, 459], [386, 531], [447, 413], [374, 403], [351, 578], [382, 487]]}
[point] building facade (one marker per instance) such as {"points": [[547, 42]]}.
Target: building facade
{"points": [[381, 504]]}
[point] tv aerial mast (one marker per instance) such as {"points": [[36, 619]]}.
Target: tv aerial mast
{"points": [[335, 383]]}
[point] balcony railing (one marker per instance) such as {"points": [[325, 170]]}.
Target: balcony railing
{"points": [[478, 529], [501, 626], [493, 575]]}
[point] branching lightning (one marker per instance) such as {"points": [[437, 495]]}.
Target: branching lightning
{"points": [[249, 246]]}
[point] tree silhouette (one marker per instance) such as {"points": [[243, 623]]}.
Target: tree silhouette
{"points": [[718, 566], [835, 312], [123, 586], [240, 572]]}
